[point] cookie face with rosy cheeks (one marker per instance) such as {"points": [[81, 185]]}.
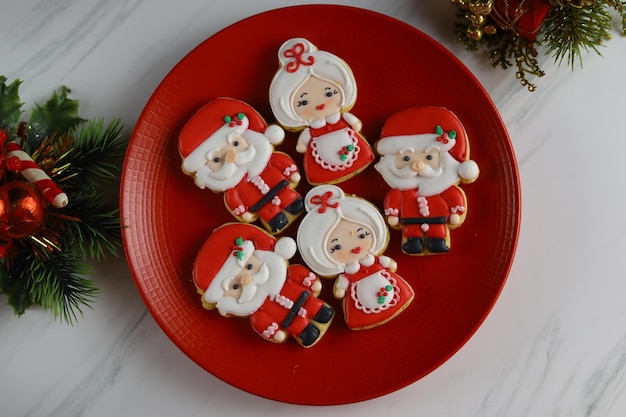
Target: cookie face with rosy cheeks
{"points": [[350, 242], [237, 149], [245, 278], [316, 99], [410, 163]]}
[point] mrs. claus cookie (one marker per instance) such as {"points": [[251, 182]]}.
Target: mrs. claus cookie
{"points": [[345, 237], [425, 156], [243, 271], [312, 92], [227, 147]]}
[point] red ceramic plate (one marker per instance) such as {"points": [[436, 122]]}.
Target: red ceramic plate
{"points": [[168, 218]]}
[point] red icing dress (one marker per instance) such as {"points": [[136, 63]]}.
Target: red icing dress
{"points": [[335, 151], [374, 294]]}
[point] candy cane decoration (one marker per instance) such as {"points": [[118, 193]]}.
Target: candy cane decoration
{"points": [[35, 175]]}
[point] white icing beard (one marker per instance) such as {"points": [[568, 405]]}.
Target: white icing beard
{"points": [[428, 184], [273, 272], [252, 161]]}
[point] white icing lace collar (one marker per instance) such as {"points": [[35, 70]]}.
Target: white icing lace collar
{"points": [[355, 267], [331, 118]]}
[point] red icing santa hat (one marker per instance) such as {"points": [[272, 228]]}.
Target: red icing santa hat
{"points": [[209, 128], [427, 127], [227, 251]]}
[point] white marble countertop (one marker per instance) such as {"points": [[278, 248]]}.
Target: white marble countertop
{"points": [[553, 345]]}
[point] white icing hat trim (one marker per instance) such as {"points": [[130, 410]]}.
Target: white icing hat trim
{"points": [[394, 144]]}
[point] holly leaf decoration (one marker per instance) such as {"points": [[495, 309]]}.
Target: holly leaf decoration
{"points": [[58, 114], [10, 105]]}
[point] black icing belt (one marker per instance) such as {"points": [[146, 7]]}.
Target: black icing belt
{"points": [[269, 196], [293, 311], [427, 220]]}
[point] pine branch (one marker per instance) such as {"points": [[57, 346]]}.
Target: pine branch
{"points": [[95, 157], [570, 30], [55, 283], [96, 230]]}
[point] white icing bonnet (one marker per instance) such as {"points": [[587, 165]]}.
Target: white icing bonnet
{"points": [[326, 205], [299, 59]]}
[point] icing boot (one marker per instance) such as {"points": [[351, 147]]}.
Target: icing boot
{"points": [[278, 222], [413, 245], [309, 335], [296, 207], [437, 245], [325, 314]]}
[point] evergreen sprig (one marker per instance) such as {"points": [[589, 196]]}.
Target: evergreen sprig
{"points": [[84, 158], [58, 283], [569, 29]]}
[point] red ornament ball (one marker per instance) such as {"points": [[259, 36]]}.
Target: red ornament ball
{"points": [[22, 210]]}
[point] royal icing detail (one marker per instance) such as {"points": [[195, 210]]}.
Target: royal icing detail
{"points": [[270, 331], [336, 151], [312, 92], [227, 147], [376, 294], [424, 159], [242, 270], [344, 236], [260, 184], [309, 280], [282, 301], [291, 169]]}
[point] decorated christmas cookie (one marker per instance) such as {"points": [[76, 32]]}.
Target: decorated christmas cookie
{"points": [[227, 147], [312, 92], [344, 237], [242, 271], [425, 156]]}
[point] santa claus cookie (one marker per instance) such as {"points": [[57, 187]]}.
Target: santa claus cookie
{"points": [[424, 158], [343, 237], [227, 147], [312, 92], [243, 271]]}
